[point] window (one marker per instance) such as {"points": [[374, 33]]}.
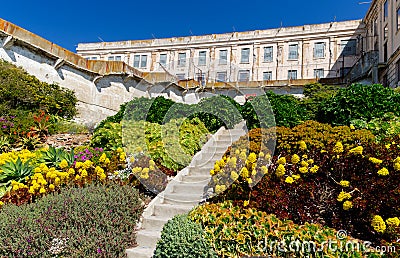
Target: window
{"points": [[221, 76], [268, 54], [348, 47], [202, 57], [140, 61], [385, 52], [398, 19], [318, 73], [385, 32], [163, 59], [267, 76], [111, 58], [223, 57], [245, 59], [91, 58], [385, 10], [293, 52], [319, 50], [180, 76], [201, 77], [118, 58], [292, 74], [244, 76], [181, 59], [398, 70]]}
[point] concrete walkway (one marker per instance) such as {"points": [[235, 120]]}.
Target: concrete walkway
{"points": [[183, 193]]}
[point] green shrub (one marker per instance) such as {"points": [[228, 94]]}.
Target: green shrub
{"points": [[358, 101], [383, 128], [287, 111], [315, 94], [21, 91], [109, 136], [87, 222], [182, 237], [240, 232]]}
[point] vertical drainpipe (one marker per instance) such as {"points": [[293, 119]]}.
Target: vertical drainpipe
{"points": [[302, 59]]}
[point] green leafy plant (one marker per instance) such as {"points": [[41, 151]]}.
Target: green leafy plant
{"points": [[95, 221], [315, 94], [53, 156], [358, 101], [182, 237], [17, 171]]}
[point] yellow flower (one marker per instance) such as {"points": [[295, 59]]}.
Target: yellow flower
{"points": [[15, 187], [119, 150], [347, 205], [383, 172], [289, 180], [345, 183], [77, 177], [302, 145], [378, 224], [57, 181], [103, 157], [212, 172], [146, 170], [282, 161], [220, 188], [1, 203], [63, 164], [343, 196], [310, 161], [388, 146], [393, 222], [338, 147], [237, 152], [296, 177], [295, 159], [244, 172], [243, 156], [232, 162], [87, 164], [245, 203], [253, 172], [249, 181], [314, 169], [234, 176], [303, 170], [304, 163], [396, 166], [375, 160], [84, 173], [52, 187], [102, 176], [31, 190], [264, 169], [397, 160], [261, 154], [280, 170], [144, 175], [216, 167], [352, 127], [252, 157], [357, 150], [42, 190], [98, 170], [152, 163], [132, 159]]}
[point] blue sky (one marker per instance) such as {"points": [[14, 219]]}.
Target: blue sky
{"points": [[68, 23]]}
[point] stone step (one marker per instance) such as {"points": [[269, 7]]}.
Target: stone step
{"points": [[188, 188], [140, 252], [153, 223], [170, 210], [182, 199], [200, 171], [196, 178], [148, 238], [217, 149]]}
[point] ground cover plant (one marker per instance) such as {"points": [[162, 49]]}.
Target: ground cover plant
{"points": [[337, 186], [95, 221]]}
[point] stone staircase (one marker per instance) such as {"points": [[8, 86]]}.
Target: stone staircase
{"points": [[183, 193]]}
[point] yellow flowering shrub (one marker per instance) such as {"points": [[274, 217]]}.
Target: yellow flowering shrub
{"points": [[347, 205], [343, 196], [378, 224]]}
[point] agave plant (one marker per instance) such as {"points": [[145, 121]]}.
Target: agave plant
{"points": [[53, 156], [16, 171]]}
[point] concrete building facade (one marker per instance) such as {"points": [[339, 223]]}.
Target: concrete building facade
{"points": [[282, 55]]}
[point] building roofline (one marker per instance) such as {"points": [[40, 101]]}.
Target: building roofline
{"points": [[211, 36]]}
